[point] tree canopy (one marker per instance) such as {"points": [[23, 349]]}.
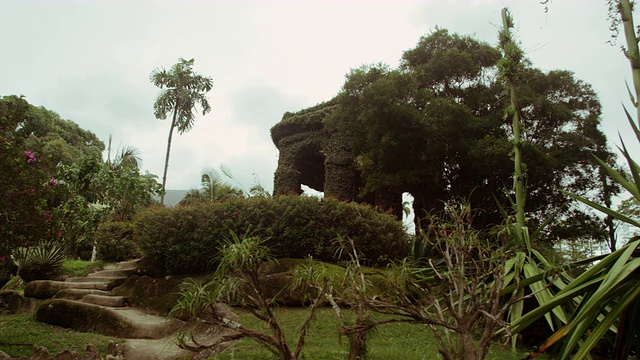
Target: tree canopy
{"points": [[436, 127]]}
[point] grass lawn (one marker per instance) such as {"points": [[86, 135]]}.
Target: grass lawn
{"points": [[24, 329], [392, 341], [79, 268]]}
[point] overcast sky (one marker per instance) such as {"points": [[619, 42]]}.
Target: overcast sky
{"points": [[90, 61]]}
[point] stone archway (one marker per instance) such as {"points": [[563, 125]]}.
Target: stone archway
{"points": [[313, 155]]}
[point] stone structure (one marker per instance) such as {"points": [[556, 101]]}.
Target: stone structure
{"points": [[320, 157], [313, 155]]}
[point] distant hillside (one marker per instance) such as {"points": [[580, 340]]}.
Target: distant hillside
{"points": [[172, 197]]}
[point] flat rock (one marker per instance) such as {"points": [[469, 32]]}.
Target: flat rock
{"points": [[149, 349], [126, 323], [16, 303], [105, 300], [112, 273], [111, 280], [45, 289], [77, 294]]}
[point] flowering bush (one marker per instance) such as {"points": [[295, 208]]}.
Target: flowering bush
{"points": [[25, 191], [186, 239]]}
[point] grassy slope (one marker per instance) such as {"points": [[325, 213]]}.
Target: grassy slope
{"points": [[24, 329], [391, 341], [388, 342], [323, 343]]}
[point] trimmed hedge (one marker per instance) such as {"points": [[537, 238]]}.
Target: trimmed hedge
{"points": [[115, 241], [186, 239]]}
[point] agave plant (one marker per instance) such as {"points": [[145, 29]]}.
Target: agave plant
{"points": [[604, 299], [40, 262], [527, 272]]}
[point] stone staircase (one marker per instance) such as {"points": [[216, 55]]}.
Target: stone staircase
{"points": [[88, 304]]}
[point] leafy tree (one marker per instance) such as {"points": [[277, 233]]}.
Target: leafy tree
{"points": [[56, 139], [29, 190], [182, 90], [26, 185], [96, 190], [442, 113]]}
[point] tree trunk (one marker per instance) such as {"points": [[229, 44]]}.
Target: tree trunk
{"points": [[469, 351], [166, 160]]}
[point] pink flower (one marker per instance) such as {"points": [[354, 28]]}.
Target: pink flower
{"points": [[59, 234], [2, 258], [53, 182], [31, 157]]}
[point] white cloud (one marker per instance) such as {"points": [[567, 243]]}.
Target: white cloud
{"points": [[90, 61]]}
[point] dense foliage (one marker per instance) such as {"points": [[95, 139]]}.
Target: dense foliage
{"points": [[186, 239], [115, 241], [33, 141], [55, 186], [213, 189], [95, 191], [599, 308], [442, 113]]}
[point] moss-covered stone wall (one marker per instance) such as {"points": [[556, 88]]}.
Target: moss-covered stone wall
{"points": [[321, 158], [300, 138]]}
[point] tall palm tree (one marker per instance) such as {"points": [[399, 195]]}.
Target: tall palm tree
{"points": [[182, 89]]}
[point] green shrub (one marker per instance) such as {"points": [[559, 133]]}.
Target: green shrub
{"points": [[115, 241], [186, 239]]}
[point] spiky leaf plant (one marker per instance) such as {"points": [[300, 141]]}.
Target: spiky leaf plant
{"points": [[605, 299]]}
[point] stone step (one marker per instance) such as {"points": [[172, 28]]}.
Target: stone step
{"points": [[120, 322], [96, 279], [105, 300], [128, 265], [112, 273], [45, 289], [77, 294]]}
